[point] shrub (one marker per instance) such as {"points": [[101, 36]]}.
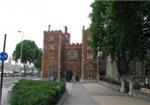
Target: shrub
{"points": [[29, 92]]}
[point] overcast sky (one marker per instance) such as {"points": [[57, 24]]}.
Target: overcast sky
{"points": [[33, 17]]}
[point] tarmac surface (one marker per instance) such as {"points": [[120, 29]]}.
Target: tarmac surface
{"points": [[97, 94]]}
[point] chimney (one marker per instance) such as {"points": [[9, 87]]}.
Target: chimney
{"points": [[66, 29], [49, 27]]}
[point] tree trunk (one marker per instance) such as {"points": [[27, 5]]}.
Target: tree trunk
{"points": [[122, 89], [24, 69], [32, 72], [130, 85]]}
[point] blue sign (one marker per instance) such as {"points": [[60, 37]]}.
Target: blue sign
{"points": [[3, 56]]}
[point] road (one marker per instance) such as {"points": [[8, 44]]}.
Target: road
{"points": [[7, 81]]}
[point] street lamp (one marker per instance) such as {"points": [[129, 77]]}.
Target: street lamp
{"points": [[21, 50]]}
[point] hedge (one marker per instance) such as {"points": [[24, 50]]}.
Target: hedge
{"points": [[30, 92]]}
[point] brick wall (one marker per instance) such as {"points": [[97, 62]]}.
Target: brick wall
{"points": [[73, 65], [87, 57]]}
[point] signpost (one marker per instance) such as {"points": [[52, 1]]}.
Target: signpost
{"points": [[3, 57]]}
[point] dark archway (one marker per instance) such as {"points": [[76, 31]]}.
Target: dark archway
{"points": [[69, 75]]}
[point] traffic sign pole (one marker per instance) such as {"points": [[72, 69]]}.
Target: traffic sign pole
{"points": [[3, 56], [1, 84]]}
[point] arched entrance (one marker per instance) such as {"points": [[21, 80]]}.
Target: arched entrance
{"points": [[69, 75]]}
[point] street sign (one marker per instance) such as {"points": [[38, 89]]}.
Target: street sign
{"points": [[3, 56]]}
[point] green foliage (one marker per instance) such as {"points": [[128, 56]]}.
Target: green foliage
{"points": [[28, 51], [121, 29], [97, 25], [29, 92], [38, 60]]}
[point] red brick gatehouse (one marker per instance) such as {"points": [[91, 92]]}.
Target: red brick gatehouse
{"points": [[65, 60]]}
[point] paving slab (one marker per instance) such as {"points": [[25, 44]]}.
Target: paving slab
{"points": [[107, 96], [79, 96], [5, 96]]}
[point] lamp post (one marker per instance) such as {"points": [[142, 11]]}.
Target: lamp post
{"points": [[21, 50]]}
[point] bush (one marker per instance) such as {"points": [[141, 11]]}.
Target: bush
{"points": [[29, 92]]}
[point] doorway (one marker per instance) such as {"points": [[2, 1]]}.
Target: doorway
{"points": [[69, 75]]}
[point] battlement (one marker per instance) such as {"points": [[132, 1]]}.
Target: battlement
{"points": [[73, 45], [54, 31], [57, 31]]}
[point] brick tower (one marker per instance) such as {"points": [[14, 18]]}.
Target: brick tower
{"points": [[52, 49], [64, 60], [89, 64]]}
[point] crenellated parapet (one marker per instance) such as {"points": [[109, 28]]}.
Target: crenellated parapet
{"points": [[53, 31], [73, 45], [58, 31]]}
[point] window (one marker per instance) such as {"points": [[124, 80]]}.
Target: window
{"points": [[72, 55]]}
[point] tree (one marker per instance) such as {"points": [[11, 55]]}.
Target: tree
{"points": [[130, 28], [124, 31], [29, 52], [38, 60], [97, 33]]}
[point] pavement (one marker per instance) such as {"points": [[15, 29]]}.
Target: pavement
{"points": [[97, 94], [5, 96], [7, 85], [78, 95]]}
